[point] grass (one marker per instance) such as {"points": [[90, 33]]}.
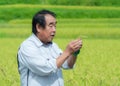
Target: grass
{"points": [[97, 64], [16, 11], [65, 2], [84, 28]]}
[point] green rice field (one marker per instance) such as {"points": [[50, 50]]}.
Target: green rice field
{"points": [[97, 65]]}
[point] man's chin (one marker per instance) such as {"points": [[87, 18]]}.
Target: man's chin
{"points": [[50, 41]]}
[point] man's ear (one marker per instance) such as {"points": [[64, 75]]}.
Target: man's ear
{"points": [[38, 28]]}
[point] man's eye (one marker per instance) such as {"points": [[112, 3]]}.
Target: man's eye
{"points": [[51, 25]]}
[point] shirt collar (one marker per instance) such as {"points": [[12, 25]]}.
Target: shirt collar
{"points": [[38, 41]]}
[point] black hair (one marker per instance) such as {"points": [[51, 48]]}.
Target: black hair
{"points": [[39, 18]]}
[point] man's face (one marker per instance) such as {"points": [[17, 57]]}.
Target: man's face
{"points": [[47, 34]]}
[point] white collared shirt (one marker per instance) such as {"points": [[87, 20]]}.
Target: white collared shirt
{"points": [[37, 63]]}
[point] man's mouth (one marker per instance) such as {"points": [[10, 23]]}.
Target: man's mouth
{"points": [[52, 35]]}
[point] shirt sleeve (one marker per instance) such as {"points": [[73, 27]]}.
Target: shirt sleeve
{"points": [[59, 52], [30, 57]]}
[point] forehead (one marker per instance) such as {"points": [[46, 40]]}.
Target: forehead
{"points": [[50, 19]]}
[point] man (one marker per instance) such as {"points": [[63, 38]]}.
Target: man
{"points": [[39, 59]]}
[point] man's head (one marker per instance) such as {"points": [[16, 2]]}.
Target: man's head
{"points": [[44, 25]]}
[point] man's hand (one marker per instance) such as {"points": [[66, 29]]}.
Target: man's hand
{"points": [[71, 48], [74, 46]]}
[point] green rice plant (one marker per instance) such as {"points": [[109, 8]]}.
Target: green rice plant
{"points": [[11, 12], [75, 28], [97, 64], [65, 2]]}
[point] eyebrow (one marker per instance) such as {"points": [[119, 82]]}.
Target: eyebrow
{"points": [[53, 23]]}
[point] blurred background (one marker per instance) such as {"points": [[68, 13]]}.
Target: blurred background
{"points": [[96, 22]]}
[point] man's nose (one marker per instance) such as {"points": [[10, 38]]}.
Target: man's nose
{"points": [[54, 29]]}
